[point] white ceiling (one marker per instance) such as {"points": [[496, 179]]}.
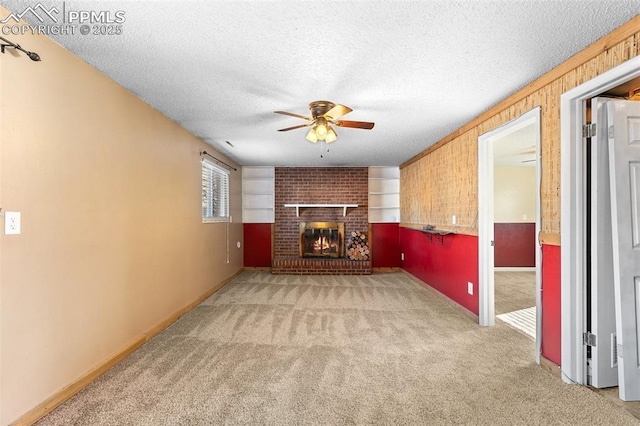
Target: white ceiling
{"points": [[418, 69], [516, 149]]}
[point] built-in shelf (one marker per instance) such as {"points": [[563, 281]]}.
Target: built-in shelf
{"points": [[258, 194], [439, 234], [384, 194], [303, 206]]}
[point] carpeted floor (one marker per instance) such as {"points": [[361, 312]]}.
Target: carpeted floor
{"points": [[291, 350], [515, 300], [514, 290]]}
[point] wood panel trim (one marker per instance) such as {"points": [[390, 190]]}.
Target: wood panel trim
{"points": [[616, 36], [549, 239], [385, 270], [550, 366], [70, 390], [454, 229], [415, 226], [370, 241]]}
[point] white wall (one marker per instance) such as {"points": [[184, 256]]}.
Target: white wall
{"points": [[514, 194]]}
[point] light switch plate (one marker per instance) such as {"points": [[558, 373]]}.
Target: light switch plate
{"points": [[470, 288], [11, 223]]}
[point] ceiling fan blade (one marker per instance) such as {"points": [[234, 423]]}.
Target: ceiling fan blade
{"points": [[295, 127], [304, 117], [357, 124], [337, 111], [528, 150]]}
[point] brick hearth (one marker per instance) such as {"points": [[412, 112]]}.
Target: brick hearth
{"points": [[303, 265]]}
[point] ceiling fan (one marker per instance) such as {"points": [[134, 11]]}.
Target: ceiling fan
{"points": [[323, 114]]}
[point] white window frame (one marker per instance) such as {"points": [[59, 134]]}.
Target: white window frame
{"points": [[214, 169]]}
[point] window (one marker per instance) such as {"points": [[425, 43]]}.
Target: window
{"points": [[215, 193]]}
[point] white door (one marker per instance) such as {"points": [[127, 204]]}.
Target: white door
{"points": [[624, 162], [604, 368]]}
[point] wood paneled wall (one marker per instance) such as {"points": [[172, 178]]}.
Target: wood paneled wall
{"points": [[443, 179]]}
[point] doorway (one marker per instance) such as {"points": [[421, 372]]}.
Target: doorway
{"points": [[516, 144], [573, 200]]}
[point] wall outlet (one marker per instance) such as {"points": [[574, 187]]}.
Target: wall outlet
{"points": [[401, 256], [524, 217], [470, 288], [11, 223], [453, 219]]}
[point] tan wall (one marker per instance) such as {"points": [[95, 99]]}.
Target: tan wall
{"points": [[112, 242], [514, 194], [443, 179]]}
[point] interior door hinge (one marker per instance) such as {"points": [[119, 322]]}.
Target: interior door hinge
{"points": [[589, 339], [589, 130]]}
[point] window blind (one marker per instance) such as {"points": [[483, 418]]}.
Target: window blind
{"points": [[215, 192]]}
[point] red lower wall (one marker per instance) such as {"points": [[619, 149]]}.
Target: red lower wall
{"points": [[551, 307], [385, 245], [515, 244], [446, 266], [257, 245], [384, 238]]}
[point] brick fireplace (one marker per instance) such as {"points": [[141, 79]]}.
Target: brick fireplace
{"points": [[318, 185], [322, 239]]}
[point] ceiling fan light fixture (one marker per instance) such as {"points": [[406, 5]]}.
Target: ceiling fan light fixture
{"points": [[311, 136], [323, 116], [331, 135], [321, 128]]}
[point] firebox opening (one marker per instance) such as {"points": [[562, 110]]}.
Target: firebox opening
{"points": [[321, 239]]}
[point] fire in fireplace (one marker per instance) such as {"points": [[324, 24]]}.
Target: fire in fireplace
{"points": [[321, 239]]}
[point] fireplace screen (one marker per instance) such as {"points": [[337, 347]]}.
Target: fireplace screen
{"points": [[321, 239]]}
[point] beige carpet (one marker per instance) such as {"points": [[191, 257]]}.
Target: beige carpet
{"points": [[515, 300], [291, 350], [514, 290]]}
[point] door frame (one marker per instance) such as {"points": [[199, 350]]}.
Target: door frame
{"points": [[486, 290], [572, 203]]}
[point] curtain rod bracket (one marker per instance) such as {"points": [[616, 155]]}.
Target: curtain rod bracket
{"points": [[219, 161], [6, 43]]}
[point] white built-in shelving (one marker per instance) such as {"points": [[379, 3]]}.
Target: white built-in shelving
{"points": [[258, 194], [384, 194]]}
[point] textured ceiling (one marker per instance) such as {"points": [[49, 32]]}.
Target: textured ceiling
{"points": [[418, 69]]}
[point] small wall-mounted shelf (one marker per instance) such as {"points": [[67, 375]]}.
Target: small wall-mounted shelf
{"points": [[342, 206], [437, 233]]}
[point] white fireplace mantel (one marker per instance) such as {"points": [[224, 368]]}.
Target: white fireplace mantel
{"points": [[342, 206]]}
